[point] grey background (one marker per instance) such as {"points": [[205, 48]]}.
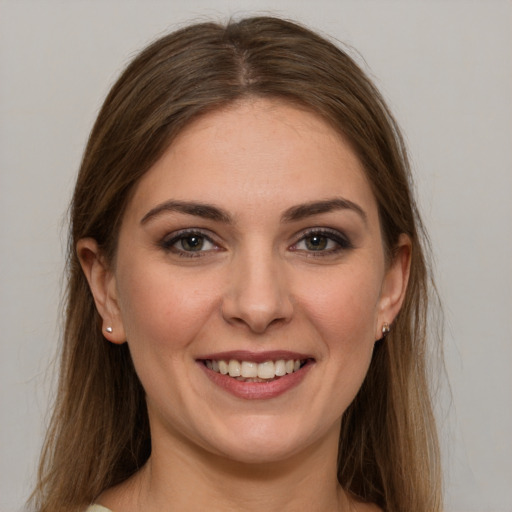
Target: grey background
{"points": [[445, 68]]}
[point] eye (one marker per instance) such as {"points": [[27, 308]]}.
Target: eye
{"points": [[322, 241], [189, 243], [194, 243], [318, 242]]}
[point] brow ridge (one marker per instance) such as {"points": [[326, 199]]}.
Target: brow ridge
{"points": [[204, 210], [293, 214], [309, 209]]}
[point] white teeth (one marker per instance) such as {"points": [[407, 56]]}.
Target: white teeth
{"points": [[249, 371], [234, 368], [266, 370], [280, 368], [223, 367]]}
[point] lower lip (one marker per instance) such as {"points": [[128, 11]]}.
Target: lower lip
{"points": [[257, 390]]}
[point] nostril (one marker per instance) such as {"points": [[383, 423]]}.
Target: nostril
{"points": [[257, 295], [257, 319]]}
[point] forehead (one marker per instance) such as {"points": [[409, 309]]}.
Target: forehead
{"points": [[254, 153]]}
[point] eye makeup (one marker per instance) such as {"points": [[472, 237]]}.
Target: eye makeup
{"points": [[322, 242], [189, 243], [313, 242]]}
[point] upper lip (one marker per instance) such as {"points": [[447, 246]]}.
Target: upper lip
{"points": [[256, 357]]}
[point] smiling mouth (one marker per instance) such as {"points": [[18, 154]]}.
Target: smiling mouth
{"points": [[250, 371]]}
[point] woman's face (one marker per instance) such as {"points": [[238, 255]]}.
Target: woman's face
{"points": [[252, 247]]}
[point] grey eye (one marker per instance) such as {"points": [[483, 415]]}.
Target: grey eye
{"points": [[192, 243]]}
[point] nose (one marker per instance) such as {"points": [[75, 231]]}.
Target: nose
{"points": [[257, 295]]}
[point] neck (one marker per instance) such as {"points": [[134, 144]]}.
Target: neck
{"points": [[178, 476]]}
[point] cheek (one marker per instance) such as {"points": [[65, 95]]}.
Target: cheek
{"points": [[344, 313], [343, 307], [161, 307], [163, 314]]}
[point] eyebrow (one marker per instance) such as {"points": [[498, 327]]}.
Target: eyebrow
{"points": [[206, 211], [293, 214], [305, 210]]}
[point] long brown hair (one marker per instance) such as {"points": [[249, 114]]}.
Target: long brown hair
{"points": [[99, 433]]}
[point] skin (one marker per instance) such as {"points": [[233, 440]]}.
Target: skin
{"points": [[259, 283]]}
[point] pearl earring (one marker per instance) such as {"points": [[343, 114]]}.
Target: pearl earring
{"points": [[109, 329]]}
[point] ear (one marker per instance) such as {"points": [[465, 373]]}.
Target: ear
{"points": [[103, 287], [394, 285]]}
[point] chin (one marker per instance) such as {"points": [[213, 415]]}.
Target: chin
{"points": [[265, 442]]}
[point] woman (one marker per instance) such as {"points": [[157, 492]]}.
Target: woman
{"points": [[247, 291]]}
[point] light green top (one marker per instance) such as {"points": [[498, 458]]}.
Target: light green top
{"points": [[98, 508]]}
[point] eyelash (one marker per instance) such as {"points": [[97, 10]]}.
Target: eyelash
{"points": [[168, 243], [343, 243]]}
